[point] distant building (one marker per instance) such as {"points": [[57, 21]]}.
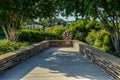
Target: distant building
{"points": [[34, 25]]}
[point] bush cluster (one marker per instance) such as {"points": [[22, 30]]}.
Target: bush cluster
{"points": [[100, 39], [36, 36], [7, 46], [91, 32], [57, 30]]}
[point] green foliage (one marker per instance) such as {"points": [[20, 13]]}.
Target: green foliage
{"points": [[107, 12], [97, 43], [100, 39], [78, 29], [6, 46], [36, 35], [82, 27], [14, 13], [58, 30], [36, 29], [105, 48], [106, 40], [91, 37], [52, 21], [93, 24]]}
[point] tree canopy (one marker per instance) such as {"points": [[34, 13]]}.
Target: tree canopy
{"points": [[15, 12], [107, 11]]}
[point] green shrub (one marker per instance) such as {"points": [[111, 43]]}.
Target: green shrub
{"points": [[36, 36], [91, 37], [91, 24], [94, 25], [78, 29], [106, 40], [35, 28], [105, 48], [100, 39], [80, 36], [58, 30], [97, 43], [6, 46]]}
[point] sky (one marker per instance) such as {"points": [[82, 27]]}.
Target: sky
{"points": [[70, 18]]}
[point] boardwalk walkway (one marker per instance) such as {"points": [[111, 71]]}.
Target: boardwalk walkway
{"points": [[56, 64]]}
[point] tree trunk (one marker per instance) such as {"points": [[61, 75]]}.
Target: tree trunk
{"points": [[116, 43], [9, 29], [112, 26]]}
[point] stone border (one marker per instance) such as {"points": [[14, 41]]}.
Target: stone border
{"points": [[59, 43], [10, 59], [106, 61], [109, 63]]}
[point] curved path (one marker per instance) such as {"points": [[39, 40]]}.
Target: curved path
{"points": [[56, 64]]}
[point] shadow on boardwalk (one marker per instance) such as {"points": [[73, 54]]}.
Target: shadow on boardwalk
{"points": [[56, 64]]}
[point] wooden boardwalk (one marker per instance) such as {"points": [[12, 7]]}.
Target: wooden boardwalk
{"points": [[56, 64]]}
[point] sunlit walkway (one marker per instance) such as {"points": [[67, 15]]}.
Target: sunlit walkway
{"points": [[56, 64]]}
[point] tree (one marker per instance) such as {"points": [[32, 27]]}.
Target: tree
{"points": [[107, 11], [49, 22], [13, 13], [71, 7]]}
